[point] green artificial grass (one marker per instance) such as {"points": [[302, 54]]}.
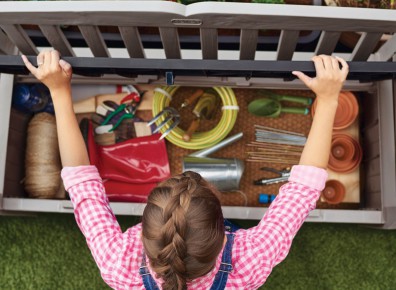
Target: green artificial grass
{"points": [[47, 251]]}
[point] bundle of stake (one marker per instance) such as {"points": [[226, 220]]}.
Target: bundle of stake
{"points": [[280, 153], [278, 136], [277, 146]]}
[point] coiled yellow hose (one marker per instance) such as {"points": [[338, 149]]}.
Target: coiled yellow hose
{"points": [[199, 140]]}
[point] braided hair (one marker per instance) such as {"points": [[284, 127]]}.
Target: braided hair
{"points": [[182, 229]]}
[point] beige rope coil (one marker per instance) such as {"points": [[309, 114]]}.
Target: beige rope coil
{"points": [[42, 159]]}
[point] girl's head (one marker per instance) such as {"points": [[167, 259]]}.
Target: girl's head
{"points": [[183, 229]]}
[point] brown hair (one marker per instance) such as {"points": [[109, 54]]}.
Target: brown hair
{"points": [[182, 229]]}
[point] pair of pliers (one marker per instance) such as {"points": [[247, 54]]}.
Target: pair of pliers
{"points": [[126, 110], [125, 114], [284, 175], [134, 98]]}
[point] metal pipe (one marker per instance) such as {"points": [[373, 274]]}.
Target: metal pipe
{"points": [[218, 146]]}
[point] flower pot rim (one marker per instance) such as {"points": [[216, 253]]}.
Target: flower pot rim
{"points": [[348, 98], [350, 165], [341, 194]]}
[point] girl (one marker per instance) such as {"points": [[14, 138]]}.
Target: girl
{"points": [[182, 242]]}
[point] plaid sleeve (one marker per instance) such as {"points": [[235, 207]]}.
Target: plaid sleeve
{"points": [[310, 176], [75, 175], [271, 240], [95, 218]]}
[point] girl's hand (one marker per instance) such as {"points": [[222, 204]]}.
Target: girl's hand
{"points": [[52, 71], [329, 77]]}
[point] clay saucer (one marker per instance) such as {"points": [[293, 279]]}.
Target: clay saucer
{"points": [[347, 110], [334, 192], [345, 154]]}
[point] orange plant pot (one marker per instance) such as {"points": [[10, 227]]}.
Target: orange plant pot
{"points": [[347, 110], [345, 153], [334, 192]]}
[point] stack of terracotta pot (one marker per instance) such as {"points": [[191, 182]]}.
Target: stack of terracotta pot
{"points": [[346, 152]]}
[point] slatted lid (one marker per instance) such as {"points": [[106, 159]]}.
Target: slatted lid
{"points": [[202, 39]]}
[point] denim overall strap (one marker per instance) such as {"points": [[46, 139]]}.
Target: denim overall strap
{"points": [[230, 227], [221, 277], [148, 280]]}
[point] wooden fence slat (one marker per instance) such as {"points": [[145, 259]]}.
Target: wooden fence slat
{"points": [[57, 39], [287, 44], [327, 42], [94, 40], [132, 41], [365, 46], [170, 42], [19, 37], [209, 43], [248, 44]]}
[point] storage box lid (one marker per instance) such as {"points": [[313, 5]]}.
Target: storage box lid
{"points": [[131, 38]]}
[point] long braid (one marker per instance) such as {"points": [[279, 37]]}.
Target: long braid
{"points": [[166, 229], [173, 233]]}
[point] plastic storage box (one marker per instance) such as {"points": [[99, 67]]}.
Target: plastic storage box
{"points": [[208, 44]]}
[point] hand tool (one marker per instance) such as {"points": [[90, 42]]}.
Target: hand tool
{"points": [[203, 109], [171, 120], [286, 98], [191, 99], [266, 107], [283, 176]]}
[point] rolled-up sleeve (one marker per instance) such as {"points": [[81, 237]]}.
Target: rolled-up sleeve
{"points": [[310, 176]]}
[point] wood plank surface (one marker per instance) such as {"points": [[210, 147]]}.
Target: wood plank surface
{"points": [[57, 39], [287, 44], [6, 47], [133, 43], [94, 40], [170, 42], [19, 37], [327, 42], [248, 44], [209, 43], [365, 46]]}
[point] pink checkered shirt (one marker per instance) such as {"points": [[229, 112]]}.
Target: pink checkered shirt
{"points": [[255, 252]]}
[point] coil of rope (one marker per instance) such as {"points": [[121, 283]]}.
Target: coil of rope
{"points": [[199, 140]]}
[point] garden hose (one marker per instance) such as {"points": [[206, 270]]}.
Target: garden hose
{"points": [[199, 140]]}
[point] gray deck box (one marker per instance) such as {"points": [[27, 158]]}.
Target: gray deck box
{"points": [[207, 57]]}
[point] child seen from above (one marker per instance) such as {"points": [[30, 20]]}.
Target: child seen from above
{"points": [[182, 242]]}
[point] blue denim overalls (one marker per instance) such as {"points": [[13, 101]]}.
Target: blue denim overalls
{"points": [[221, 277]]}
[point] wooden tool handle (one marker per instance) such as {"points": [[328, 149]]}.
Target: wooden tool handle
{"points": [[191, 99], [193, 127]]}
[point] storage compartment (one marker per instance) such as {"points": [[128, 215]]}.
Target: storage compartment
{"points": [[363, 187], [248, 68]]}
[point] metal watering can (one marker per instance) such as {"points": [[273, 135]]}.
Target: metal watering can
{"points": [[224, 173]]}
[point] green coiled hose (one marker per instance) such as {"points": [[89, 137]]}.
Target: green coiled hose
{"points": [[199, 140]]}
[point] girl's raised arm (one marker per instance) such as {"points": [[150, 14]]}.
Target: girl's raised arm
{"points": [[56, 75], [270, 241], [327, 86]]}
